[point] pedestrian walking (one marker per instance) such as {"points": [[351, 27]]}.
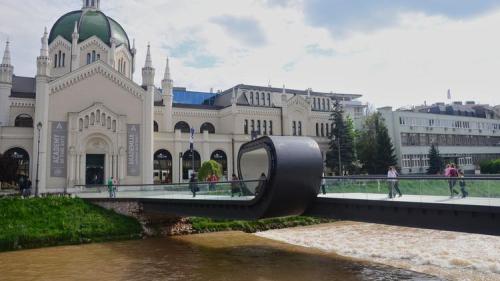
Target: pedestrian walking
{"points": [[111, 188], [323, 184], [262, 182], [235, 186], [463, 184], [392, 176], [453, 175], [212, 179], [193, 185]]}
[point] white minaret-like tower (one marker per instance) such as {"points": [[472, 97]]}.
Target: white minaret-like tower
{"points": [[148, 80], [91, 4], [75, 53], [6, 72], [167, 85], [41, 115]]}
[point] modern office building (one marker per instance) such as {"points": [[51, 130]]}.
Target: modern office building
{"points": [[465, 134], [83, 119]]}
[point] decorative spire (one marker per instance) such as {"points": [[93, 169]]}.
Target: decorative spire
{"points": [[284, 89], [44, 51], [6, 54], [75, 29], [166, 76], [149, 62], [91, 4]]}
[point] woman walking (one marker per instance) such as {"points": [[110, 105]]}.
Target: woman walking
{"points": [[392, 175], [235, 186]]}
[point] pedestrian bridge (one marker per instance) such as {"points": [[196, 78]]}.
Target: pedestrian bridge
{"points": [[425, 202], [292, 167]]}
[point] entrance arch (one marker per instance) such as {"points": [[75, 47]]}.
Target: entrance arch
{"points": [[187, 163], [220, 157], [23, 159], [98, 153], [162, 165]]}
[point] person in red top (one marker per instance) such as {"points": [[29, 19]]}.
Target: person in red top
{"points": [[212, 179], [453, 174]]}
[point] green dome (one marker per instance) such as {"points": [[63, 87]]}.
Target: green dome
{"points": [[90, 23]]}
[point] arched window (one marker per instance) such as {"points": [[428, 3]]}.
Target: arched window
{"points": [[268, 99], [87, 2], [264, 125], [24, 121], [93, 2], [207, 127], [327, 130], [155, 127], [271, 128], [220, 157], [183, 127], [98, 56], [328, 105], [63, 59], [55, 61], [93, 56], [124, 67], [88, 58], [251, 98], [317, 129], [257, 99], [294, 128], [253, 125], [60, 58], [263, 98], [187, 163], [162, 165], [245, 127], [322, 129], [23, 160], [300, 128], [258, 127]]}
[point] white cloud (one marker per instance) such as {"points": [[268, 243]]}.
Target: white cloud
{"points": [[416, 59]]}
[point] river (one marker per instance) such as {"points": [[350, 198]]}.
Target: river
{"points": [[217, 256]]}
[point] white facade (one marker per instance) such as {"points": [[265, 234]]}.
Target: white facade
{"points": [[463, 140], [84, 85]]}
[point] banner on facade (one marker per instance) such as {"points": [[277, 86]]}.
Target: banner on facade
{"points": [[133, 150], [59, 145]]}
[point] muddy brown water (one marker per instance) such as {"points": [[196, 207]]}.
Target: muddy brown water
{"points": [[217, 256]]}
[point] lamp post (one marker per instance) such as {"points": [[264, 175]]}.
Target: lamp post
{"points": [[180, 167], [39, 128]]}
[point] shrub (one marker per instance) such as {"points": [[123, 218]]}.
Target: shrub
{"points": [[208, 168], [490, 167]]}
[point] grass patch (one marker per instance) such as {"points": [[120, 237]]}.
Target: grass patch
{"points": [[52, 221], [203, 225]]}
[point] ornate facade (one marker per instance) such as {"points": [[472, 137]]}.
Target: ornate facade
{"points": [[84, 119]]}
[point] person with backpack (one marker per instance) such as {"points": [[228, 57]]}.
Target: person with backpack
{"points": [[193, 185]]}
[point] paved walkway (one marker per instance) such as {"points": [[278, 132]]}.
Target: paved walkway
{"points": [[180, 195], [476, 201]]}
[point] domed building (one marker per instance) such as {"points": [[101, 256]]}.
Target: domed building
{"points": [[82, 119]]}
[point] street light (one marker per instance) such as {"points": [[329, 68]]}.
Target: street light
{"points": [[39, 128], [180, 167]]}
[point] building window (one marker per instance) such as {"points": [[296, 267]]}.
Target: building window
{"points": [[55, 60], [155, 127], [24, 121], [253, 126], [322, 129], [300, 128], [245, 127], [207, 127], [268, 99], [59, 61], [93, 56], [271, 128], [183, 127], [88, 58], [294, 128], [317, 129], [264, 125], [251, 98], [263, 97], [258, 127], [327, 130]]}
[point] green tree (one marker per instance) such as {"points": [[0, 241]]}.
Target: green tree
{"points": [[341, 142], [374, 146], [208, 168], [8, 168], [436, 162]]}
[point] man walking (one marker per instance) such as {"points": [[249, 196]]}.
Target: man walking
{"points": [[453, 174], [111, 188]]}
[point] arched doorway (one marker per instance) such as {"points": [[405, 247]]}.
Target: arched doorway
{"points": [[98, 166], [220, 157], [24, 121], [187, 163], [162, 166], [207, 127], [23, 159]]}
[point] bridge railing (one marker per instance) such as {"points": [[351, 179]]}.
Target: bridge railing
{"points": [[470, 190], [226, 190]]}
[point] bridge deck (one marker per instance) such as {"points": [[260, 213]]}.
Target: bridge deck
{"points": [[473, 201]]}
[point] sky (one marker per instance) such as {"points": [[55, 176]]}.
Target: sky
{"points": [[393, 52]]}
